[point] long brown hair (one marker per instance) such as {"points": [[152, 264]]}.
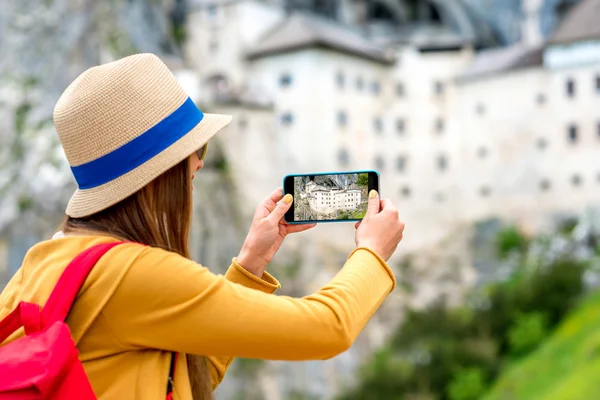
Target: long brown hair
{"points": [[158, 215]]}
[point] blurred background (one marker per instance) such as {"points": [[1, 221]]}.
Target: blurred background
{"points": [[482, 117]]}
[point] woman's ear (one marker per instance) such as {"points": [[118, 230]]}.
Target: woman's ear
{"points": [[194, 164]]}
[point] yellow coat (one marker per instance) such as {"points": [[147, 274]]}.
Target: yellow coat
{"points": [[139, 303]]}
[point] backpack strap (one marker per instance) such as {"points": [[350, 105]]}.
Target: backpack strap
{"points": [[171, 382], [26, 315], [62, 297]]}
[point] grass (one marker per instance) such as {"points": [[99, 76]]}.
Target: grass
{"points": [[565, 367], [358, 214]]}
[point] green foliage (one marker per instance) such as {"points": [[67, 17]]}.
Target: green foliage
{"points": [[359, 214], [565, 366], [363, 180], [456, 354], [527, 332], [30, 82], [343, 214], [567, 226], [119, 44], [551, 290], [468, 384], [384, 378], [247, 367], [510, 240], [290, 269], [353, 214], [43, 124], [21, 113], [221, 164], [25, 203], [179, 33]]}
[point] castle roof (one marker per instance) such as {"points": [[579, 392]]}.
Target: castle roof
{"points": [[581, 23], [301, 31]]}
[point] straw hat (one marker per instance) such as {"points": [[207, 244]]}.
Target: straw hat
{"points": [[123, 124]]}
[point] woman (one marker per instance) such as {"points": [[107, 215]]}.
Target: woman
{"points": [[134, 141]]}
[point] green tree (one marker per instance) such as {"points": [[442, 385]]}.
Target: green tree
{"points": [[510, 240], [527, 332], [454, 354], [363, 180], [468, 384]]}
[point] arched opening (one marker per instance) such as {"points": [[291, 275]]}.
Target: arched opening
{"points": [[422, 11], [325, 7], [563, 7], [380, 12], [433, 14]]}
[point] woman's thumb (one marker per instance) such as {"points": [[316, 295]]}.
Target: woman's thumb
{"points": [[373, 207], [282, 207]]}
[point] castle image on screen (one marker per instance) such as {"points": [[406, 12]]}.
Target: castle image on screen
{"points": [[330, 197]]}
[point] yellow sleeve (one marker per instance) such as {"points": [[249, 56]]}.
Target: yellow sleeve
{"points": [[237, 274], [165, 301]]}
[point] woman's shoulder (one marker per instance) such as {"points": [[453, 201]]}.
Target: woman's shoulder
{"points": [[70, 245], [50, 257], [56, 253]]}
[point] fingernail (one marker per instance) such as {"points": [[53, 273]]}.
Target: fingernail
{"points": [[372, 194], [288, 198]]}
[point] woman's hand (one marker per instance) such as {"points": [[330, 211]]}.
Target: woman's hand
{"points": [[381, 229], [267, 232]]}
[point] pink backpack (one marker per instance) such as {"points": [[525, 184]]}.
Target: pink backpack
{"points": [[44, 364]]}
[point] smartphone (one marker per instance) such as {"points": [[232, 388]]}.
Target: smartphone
{"points": [[329, 197]]}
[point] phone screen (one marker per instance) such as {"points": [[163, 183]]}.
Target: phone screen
{"points": [[339, 196]]}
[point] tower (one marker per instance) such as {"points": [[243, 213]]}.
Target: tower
{"points": [[531, 32]]}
